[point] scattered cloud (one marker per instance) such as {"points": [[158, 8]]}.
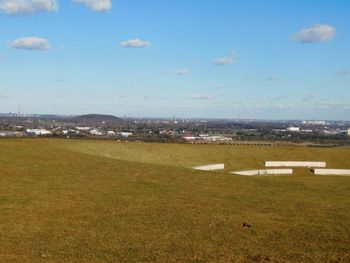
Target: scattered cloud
{"points": [[332, 105], [123, 96], [200, 97], [135, 43], [230, 59], [279, 98], [149, 97], [27, 7], [223, 61], [152, 97], [192, 61], [180, 72], [219, 87], [31, 43], [272, 78], [100, 97], [4, 97], [316, 34], [308, 98], [325, 105], [344, 72], [96, 5], [62, 80]]}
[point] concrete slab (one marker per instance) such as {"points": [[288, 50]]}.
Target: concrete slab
{"points": [[210, 167], [264, 172], [344, 172], [294, 164]]}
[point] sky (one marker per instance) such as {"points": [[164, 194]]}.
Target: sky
{"points": [[256, 59]]}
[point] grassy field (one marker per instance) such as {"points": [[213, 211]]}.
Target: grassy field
{"points": [[107, 201]]}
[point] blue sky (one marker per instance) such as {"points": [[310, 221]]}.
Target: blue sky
{"points": [[271, 59]]}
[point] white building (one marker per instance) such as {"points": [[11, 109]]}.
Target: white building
{"points": [[314, 122], [334, 132], [293, 129], [125, 134], [70, 131], [111, 133], [190, 138], [217, 138], [83, 128], [38, 132], [96, 132], [349, 132], [9, 133]]}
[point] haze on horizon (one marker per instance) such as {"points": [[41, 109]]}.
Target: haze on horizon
{"points": [[259, 59]]}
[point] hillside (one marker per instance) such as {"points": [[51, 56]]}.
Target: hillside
{"points": [[107, 201], [96, 118]]}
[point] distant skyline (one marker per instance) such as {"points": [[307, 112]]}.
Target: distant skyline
{"points": [[257, 59]]}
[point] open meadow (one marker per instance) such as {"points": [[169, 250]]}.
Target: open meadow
{"points": [[107, 201]]}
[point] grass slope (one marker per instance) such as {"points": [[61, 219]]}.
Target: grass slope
{"points": [[103, 201], [234, 157]]}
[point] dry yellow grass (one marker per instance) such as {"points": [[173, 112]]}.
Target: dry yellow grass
{"points": [[104, 201]]}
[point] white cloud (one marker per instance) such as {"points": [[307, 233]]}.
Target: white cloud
{"points": [[271, 78], [135, 43], [223, 61], [124, 96], [192, 61], [152, 97], [31, 43], [308, 98], [20, 7], [219, 87], [96, 5], [230, 59], [278, 98], [345, 72], [200, 97], [315, 34], [180, 72]]}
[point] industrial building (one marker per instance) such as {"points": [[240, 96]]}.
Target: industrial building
{"points": [[293, 129], [38, 132], [314, 122]]}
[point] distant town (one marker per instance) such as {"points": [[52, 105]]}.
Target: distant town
{"points": [[214, 131]]}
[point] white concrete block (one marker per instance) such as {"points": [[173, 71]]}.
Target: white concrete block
{"points": [[264, 172], [345, 172], [294, 164], [210, 167]]}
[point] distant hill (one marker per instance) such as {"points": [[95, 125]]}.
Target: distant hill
{"points": [[96, 118]]}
